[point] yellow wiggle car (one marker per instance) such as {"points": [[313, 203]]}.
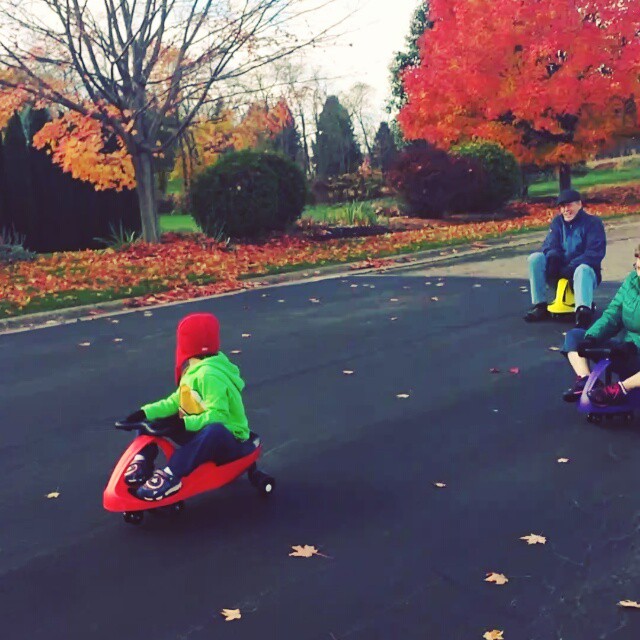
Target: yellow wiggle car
{"points": [[564, 302]]}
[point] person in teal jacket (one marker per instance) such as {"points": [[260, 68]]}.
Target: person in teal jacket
{"points": [[619, 329], [205, 414]]}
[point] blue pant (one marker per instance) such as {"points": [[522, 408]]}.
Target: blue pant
{"points": [[625, 368], [213, 443], [584, 281]]}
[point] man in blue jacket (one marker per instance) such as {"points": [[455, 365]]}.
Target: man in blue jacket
{"points": [[574, 249]]}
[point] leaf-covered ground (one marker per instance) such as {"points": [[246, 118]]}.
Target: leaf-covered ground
{"points": [[186, 267]]}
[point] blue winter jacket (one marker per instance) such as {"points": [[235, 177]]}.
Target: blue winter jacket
{"points": [[581, 241]]}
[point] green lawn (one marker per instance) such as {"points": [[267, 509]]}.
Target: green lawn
{"points": [[183, 222], [594, 178]]}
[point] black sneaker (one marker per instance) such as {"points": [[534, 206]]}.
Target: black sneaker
{"points": [[573, 393], [138, 472], [160, 485], [537, 313], [584, 317]]}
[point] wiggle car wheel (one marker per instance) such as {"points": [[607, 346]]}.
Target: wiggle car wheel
{"points": [[263, 482], [133, 517]]}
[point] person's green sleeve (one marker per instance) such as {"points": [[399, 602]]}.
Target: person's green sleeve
{"points": [[162, 408], [610, 323]]}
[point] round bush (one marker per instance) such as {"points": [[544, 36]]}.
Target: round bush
{"points": [[248, 194], [432, 183], [502, 176]]}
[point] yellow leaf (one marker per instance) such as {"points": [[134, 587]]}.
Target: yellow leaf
{"points": [[303, 551], [554, 348], [496, 578], [231, 614], [493, 635], [534, 538], [629, 604], [53, 494]]}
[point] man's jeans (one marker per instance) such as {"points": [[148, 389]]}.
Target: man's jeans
{"points": [[584, 281]]}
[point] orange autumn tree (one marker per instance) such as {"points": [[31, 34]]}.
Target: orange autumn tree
{"points": [[141, 70], [207, 139], [553, 81]]}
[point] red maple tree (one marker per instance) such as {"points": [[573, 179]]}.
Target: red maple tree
{"points": [[553, 81]]}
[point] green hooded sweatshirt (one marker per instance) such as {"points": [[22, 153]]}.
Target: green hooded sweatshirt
{"points": [[622, 314], [209, 391]]}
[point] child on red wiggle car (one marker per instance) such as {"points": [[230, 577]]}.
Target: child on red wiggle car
{"points": [[205, 414]]}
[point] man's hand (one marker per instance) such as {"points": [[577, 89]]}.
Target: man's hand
{"points": [[567, 272], [553, 267]]}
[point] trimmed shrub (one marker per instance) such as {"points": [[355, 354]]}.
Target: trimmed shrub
{"points": [[432, 183], [248, 194], [502, 178]]}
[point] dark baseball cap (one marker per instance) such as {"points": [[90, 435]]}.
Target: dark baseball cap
{"points": [[568, 195]]}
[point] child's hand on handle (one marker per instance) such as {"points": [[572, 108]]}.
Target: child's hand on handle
{"points": [[166, 426], [136, 416]]}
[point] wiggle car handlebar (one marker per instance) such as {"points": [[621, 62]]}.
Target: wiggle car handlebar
{"points": [[144, 426]]}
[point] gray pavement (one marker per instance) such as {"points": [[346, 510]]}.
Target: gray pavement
{"points": [[355, 466]]}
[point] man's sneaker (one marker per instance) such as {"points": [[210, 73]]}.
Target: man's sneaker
{"points": [[584, 317], [610, 396], [160, 485], [137, 472], [573, 393], [537, 313]]}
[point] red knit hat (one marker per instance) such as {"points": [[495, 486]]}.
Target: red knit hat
{"points": [[198, 335]]}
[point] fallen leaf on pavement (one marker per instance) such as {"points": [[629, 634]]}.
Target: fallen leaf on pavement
{"points": [[305, 551], [629, 604], [53, 494], [231, 614], [280, 300], [394, 318], [493, 635], [496, 578], [393, 299], [494, 370], [440, 284], [347, 372], [435, 298], [84, 344], [514, 370], [477, 286], [314, 300], [402, 395], [246, 335], [439, 485], [117, 339], [236, 351], [563, 460], [554, 348], [534, 538]]}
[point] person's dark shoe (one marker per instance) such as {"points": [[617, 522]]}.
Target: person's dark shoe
{"points": [[609, 396], [160, 485], [138, 472], [537, 313], [584, 317], [573, 393]]}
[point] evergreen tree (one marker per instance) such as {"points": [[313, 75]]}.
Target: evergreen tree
{"points": [[20, 201], [384, 148], [287, 142], [335, 150], [410, 57]]}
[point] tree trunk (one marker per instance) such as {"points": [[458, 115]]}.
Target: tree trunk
{"points": [[564, 175], [524, 194], [143, 165]]}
